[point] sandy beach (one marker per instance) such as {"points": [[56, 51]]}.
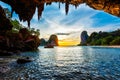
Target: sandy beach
{"points": [[114, 46]]}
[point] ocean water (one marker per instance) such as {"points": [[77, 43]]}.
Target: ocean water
{"points": [[68, 63]]}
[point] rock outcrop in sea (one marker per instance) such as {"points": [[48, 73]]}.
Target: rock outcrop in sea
{"points": [[84, 36], [53, 40], [42, 42]]}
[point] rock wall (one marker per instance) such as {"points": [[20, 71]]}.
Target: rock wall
{"points": [[11, 41], [4, 22], [26, 9]]}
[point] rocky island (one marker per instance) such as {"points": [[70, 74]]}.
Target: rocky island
{"points": [[101, 38]]}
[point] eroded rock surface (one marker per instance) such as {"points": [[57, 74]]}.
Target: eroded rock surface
{"points": [[4, 22], [26, 9]]}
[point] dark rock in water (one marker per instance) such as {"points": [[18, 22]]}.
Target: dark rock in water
{"points": [[84, 37], [42, 42], [48, 46], [24, 60], [53, 40]]}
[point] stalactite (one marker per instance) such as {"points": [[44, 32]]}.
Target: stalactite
{"points": [[76, 6], [40, 10], [26, 9], [28, 24], [67, 6], [48, 3], [59, 5]]}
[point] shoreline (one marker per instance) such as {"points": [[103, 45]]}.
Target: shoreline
{"points": [[110, 46], [113, 46]]}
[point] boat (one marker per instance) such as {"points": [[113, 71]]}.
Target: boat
{"points": [[49, 46]]}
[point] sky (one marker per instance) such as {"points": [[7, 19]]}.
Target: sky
{"points": [[55, 21]]}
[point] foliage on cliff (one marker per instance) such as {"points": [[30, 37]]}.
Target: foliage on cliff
{"points": [[15, 37], [104, 38]]}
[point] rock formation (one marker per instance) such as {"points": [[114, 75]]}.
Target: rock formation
{"points": [[42, 42], [53, 40], [31, 42], [84, 37], [26, 9], [4, 22], [11, 41]]}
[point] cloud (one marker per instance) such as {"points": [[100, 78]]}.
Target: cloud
{"points": [[54, 20], [62, 33]]}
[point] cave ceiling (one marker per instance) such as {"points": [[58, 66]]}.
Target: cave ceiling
{"points": [[26, 8]]}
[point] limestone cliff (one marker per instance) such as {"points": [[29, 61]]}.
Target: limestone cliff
{"points": [[4, 22], [42, 42], [53, 40], [84, 37]]}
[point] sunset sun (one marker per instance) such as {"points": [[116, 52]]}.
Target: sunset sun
{"points": [[65, 40]]}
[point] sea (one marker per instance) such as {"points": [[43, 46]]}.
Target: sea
{"points": [[67, 63]]}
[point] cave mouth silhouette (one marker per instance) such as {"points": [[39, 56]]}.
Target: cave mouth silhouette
{"points": [[26, 9]]}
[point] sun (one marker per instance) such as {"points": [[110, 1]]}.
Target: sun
{"points": [[67, 43], [63, 40]]}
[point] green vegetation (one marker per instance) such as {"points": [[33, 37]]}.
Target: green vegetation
{"points": [[28, 39], [104, 38], [18, 38]]}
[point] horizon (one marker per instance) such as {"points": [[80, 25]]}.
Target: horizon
{"points": [[54, 20]]}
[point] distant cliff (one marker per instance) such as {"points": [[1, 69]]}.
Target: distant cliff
{"points": [[84, 36], [53, 40], [42, 42], [104, 38]]}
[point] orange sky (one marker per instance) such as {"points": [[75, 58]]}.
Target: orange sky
{"points": [[67, 42]]}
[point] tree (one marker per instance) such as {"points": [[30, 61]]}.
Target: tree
{"points": [[34, 32], [16, 25], [116, 41], [107, 40], [98, 42]]}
